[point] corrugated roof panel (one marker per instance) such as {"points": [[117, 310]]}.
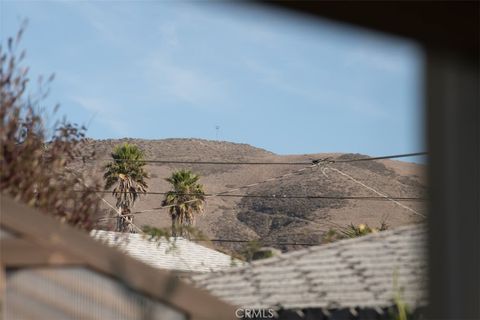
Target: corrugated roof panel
{"points": [[351, 273], [178, 254], [65, 293]]}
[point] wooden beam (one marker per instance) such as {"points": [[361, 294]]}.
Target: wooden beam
{"points": [[22, 253], [3, 283], [46, 232]]}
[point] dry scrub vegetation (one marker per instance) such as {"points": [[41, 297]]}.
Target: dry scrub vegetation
{"points": [[35, 157]]}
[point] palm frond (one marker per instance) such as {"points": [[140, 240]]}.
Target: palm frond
{"points": [[126, 174], [187, 198]]}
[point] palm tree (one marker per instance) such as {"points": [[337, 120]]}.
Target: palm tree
{"points": [[127, 174], [187, 199]]}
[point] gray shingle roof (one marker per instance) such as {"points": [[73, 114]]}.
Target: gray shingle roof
{"points": [[350, 273], [180, 255]]}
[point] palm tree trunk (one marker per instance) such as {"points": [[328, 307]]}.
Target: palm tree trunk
{"points": [[175, 225], [119, 224], [125, 220], [129, 224]]}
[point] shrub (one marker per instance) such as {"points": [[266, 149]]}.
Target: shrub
{"points": [[35, 164]]}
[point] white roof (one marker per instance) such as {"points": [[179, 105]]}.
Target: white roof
{"points": [[351, 273], [178, 254]]}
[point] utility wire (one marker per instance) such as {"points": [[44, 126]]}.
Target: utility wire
{"points": [[140, 230], [223, 193], [405, 155], [116, 210], [315, 161], [260, 241], [219, 240], [274, 196], [383, 195], [313, 164]]}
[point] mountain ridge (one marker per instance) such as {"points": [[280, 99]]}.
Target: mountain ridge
{"points": [[267, 219]]}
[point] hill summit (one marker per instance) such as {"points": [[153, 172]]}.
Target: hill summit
{"points": [[281, 203]]}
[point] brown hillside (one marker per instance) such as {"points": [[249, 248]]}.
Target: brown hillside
{"points": [[277, 220]]}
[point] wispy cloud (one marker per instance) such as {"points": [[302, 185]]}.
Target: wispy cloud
{"points": [[321, 94], [382, 61], [105, 21], [103, 112], [174, 81], [263, 71], [169, 34], [164, 78]]}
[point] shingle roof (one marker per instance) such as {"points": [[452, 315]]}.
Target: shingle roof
{"points": [[350, 273], [180, 254]]}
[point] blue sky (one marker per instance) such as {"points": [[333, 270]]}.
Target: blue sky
{"points": [[165, 69]]}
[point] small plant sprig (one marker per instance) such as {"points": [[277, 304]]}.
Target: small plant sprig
{"points": [[400, 311], [166, 235], [249, 250], [352, 231]]}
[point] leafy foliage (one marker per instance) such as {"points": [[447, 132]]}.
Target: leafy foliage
{"points": [[400, 310], [34, 157], [187, 200], [167, 235], [127, 175], [254, 250], [352, 231], [250, 249]]}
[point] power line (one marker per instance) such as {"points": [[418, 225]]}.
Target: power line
{"points": [[277, 196], [383, 195], [263, 242], [283, 216], [223, 193], [315, 161], [117, 212], [405, 155], [202, 162], [124, 217], [140, 230], [312, 165], [260, 241]]}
